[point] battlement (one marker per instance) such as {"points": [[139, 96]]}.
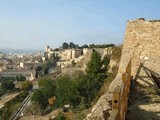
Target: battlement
{"points": [[144, 20]]}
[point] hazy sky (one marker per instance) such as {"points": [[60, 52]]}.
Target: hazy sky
{"points": [[33, 24]]}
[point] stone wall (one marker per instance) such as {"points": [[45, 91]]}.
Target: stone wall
{"points": [[141, 45]]}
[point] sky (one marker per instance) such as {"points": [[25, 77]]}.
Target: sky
{"points": [[33, 24]]}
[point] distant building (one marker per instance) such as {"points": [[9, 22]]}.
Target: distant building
{"points": [[2, 65], [1, 55], [30, 65], [29, 74], [67, 54], [80, 56]]}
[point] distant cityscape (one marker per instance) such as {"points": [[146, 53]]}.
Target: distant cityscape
{"points": [[20, 51]]}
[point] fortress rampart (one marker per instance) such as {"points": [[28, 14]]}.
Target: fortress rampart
{"points": [[141, 45]]}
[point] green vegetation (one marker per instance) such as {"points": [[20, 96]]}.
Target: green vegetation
{"points": [[79, 91], [50, 63], [65, 45], [73, 63], [7, 85], [84, 46], [39, 71], [94, 65], [61, 117], [20, 78], [46, 91], [27, 85], [39, 97], [64, 83], [106, 61], [11, 106], [101, 46], [72, 45], [33, 109]]}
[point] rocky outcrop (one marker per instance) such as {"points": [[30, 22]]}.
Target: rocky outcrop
{"points": [[101, 109]]}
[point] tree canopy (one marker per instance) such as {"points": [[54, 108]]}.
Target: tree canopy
{"points": [[101, 46], [46, 91], [20, 78], [27, 85], [65, 45], [94, 65], [72, 45], [64, 90], [7, 85]]}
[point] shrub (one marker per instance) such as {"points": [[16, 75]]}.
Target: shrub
{"points": [[61, 117]]}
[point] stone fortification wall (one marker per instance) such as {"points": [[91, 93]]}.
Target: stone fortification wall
{"points": [[87, 52], [141, 45]]}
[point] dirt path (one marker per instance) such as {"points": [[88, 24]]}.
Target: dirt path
{"points": [[144, 103], [7, 98], [36, 117]]}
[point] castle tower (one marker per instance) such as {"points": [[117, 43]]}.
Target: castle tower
{"points": [[47, 48]]}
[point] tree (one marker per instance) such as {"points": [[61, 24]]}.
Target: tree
{"points": [[73, 63], [56, 49], [39, 71], [92, 45], [20, 78], [39, 98], [27, 85], [94, 65], [61, 117], [85, 46], [65, 45], [64, 90], [72, 45], [106, 61], [53, 59], [47, 87], [87, 88], [47, 90], [45, 67], [8, 85], [101, 46]]}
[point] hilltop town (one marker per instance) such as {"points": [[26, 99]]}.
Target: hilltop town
{"points": [[12, 65], [25, 72]]}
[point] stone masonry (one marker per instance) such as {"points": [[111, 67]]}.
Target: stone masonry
{"points": [[141, 45]]}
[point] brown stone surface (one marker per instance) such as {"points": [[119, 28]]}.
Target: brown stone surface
{"points": [[101, 109], [141, 45]]}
